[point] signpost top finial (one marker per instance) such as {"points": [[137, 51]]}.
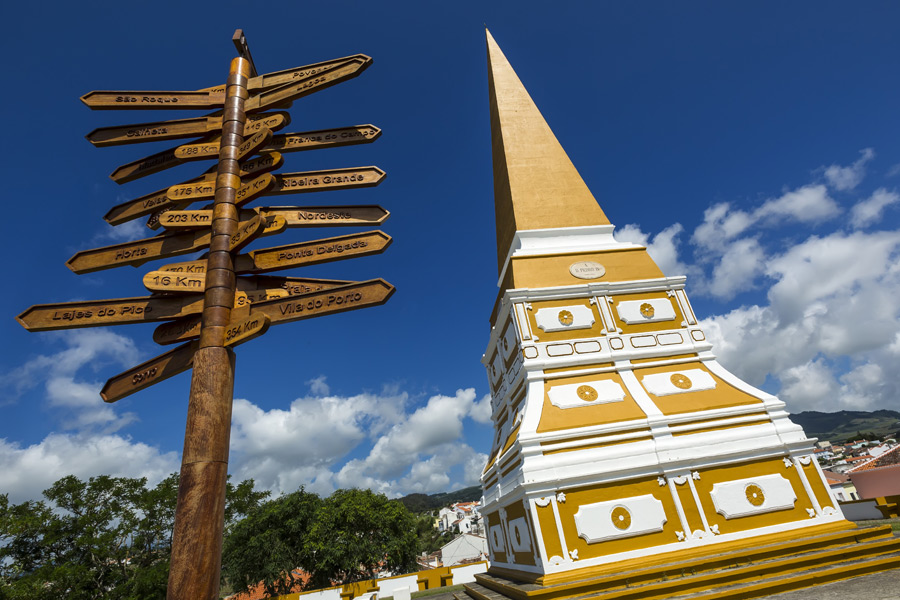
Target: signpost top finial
{"points": [[240, 43]]}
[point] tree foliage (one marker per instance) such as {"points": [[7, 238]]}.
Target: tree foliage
{"points": [[350, 536], [104, 538], [270, 543]]}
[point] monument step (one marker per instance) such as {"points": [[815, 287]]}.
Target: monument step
{"points": [[768, 577], [779, 557]]}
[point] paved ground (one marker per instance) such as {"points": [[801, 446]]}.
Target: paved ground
{"points": [[878, 586]]}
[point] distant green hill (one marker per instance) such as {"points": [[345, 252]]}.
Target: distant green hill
{"points": [[846, 425], [418, 503]]}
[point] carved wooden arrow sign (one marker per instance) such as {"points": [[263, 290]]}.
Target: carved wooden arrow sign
{"points": [[180, 128], [206, 189], [349, 297], [153, 202], [147, 373], [164, 160], [333, 179], [118, 311], [165, 281], [181, 100], [141, 251], [153, 100], [246, 329], [313, 252], [291, 142], [328, 216], [307, 85], [277, 78]]}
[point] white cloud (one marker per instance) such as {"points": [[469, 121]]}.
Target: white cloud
{"points": [[808, 204], [847, 178], [82, 407], [893, 171], [26, 471], [663, 248], [309, 443], [836, 299], [737, 269], [868, 211]]}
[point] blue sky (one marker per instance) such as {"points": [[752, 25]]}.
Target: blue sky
{"points": [[753, 147]]}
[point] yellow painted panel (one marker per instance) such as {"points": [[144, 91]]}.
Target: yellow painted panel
{"points": [[724, 395], [689, 506], [492, 519], [823, 495], [548, 271], [596, 330], [721, 427], [709, 477], [517, 510], [576, 368], [547, 521], [554, 418], [640, 361], [645, 327], [613, 491]]}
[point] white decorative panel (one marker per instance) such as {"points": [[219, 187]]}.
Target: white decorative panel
{"points": [[753, 496], [496, 368], [587, 347], [678, 382], [496, 539], [564, 317], [652, 310], [667, 339], [559, 349], [621, 518], [508, 343], [616, 343], [518, 535], [698, 335], [530, 352], [643, 341], [586, 394]]}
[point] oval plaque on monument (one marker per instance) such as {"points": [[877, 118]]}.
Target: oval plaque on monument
{"points": [[587, 270]]}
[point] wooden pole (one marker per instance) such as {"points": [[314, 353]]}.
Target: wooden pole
{"points": [[199, 517]]}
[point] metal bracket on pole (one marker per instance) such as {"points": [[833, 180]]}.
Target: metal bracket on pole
{"points": [[240, 43]]}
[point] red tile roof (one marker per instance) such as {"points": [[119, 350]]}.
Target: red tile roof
{"points": [[888, 459], [258, 591]]}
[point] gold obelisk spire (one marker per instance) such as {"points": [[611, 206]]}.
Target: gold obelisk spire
{"points": [[536, 186]]}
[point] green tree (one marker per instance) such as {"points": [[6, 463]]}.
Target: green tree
{"points": [[270, 543], [107, 537], [358, 533]]}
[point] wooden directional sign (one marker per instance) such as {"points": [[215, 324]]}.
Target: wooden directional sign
{"points": [[349, 297], [311, 253], [150, 372], [162, 161], [187, 328], [166, 281], [247, 231], [158, 200], [292, 285], [246, 329], [153, 100], [291, 142], [180, 128], [258, 140], [332, 179], [256, 187], [324, 138], [307, 85], [328, 216], [277, 78], [185, 219], [182, 100], [140, 251], [192, 267], [119, 311]]}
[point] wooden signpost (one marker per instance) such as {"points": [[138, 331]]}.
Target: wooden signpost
{"points": [[212, 304]]}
